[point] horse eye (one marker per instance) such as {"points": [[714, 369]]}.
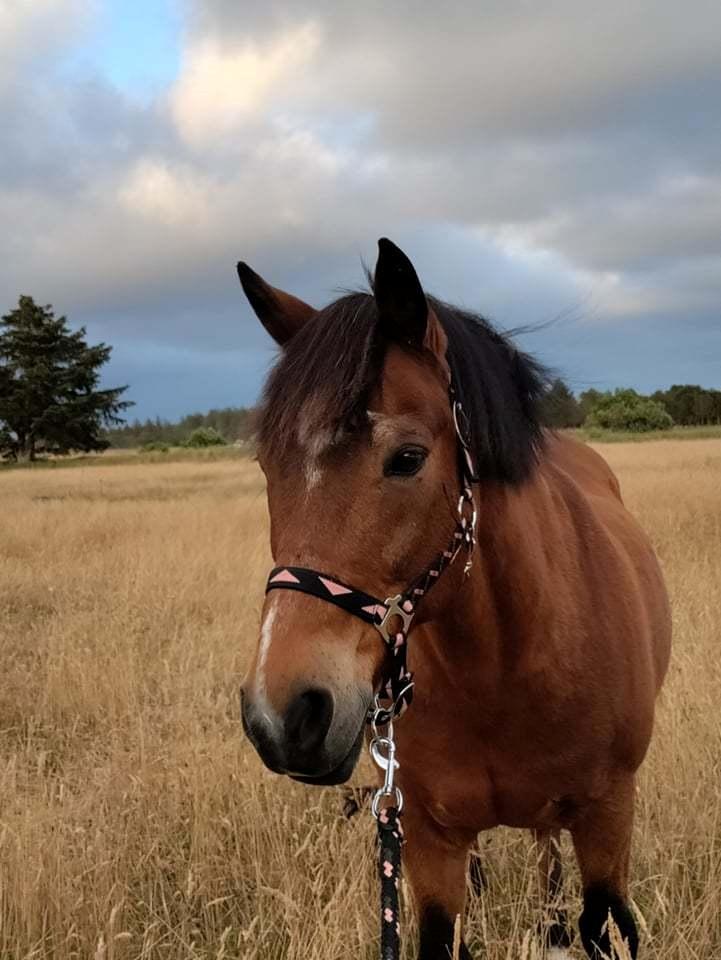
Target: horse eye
{"points": [[405, 462]]}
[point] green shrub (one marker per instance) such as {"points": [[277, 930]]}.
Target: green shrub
{"points": [[627, 410], [205, 437], [155, 446]]}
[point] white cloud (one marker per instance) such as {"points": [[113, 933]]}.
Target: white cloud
{"points": [[166, 195], [221, 88]]}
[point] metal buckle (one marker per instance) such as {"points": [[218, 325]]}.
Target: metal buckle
{"points": [[394, 608], [383, 752], [468, 528]]}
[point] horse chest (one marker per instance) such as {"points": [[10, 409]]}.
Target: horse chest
{"points": [[477, 783], [479, 794]]}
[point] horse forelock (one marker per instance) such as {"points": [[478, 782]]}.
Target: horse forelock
{"points": [[317, 394]]}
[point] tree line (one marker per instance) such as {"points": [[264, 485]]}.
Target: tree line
{"points": [[230, 423], [625, 409], [51, 401]]}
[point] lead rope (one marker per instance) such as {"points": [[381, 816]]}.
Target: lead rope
{"points": [[390, 832]]}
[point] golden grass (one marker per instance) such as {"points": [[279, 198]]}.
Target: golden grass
{"points": [[135, 822]]}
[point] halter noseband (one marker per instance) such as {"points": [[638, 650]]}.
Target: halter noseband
{"points": [[393, 616]]}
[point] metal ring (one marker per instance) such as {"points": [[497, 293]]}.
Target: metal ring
{"points": [[380, 794], [378, 711], [408, 686]]}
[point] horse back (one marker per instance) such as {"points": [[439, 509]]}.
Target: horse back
{"points": [[588, 468]]}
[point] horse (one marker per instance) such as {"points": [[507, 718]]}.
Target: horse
{"points": [[536, 663]]}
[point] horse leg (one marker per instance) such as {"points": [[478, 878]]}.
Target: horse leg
{"points": [[555, 929], [435, 862], [602, 839]]}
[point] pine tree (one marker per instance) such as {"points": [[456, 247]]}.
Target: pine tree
{"points": [[559, 407], [49, 375]]}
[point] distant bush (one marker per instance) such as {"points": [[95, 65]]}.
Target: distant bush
{"points": [[155, 446], [234, 423], [626, 410], [205, 437]]}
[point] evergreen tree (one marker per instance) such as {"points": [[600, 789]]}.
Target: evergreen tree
{"points": [[49, 396], [559, 407]]}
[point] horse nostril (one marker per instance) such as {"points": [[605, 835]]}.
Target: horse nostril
{"points": [[308, 720]]}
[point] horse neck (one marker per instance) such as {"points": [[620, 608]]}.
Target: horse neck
{"points": [[506, 604]]}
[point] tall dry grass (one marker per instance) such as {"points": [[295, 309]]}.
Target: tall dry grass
{"points": [[134, 820]]}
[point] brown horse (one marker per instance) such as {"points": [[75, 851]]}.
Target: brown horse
{"points": [[536, 674]]}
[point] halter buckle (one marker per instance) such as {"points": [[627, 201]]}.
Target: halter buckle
{"points": [[383, 753], [467, 525], [395, 607]]}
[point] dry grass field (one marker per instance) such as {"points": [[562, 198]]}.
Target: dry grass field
{"points": [[135, 822]]}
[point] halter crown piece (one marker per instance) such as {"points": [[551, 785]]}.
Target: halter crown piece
{"points": [[393, 616]]}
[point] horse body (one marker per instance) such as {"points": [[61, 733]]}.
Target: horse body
{"points": [[535, 676], [533, 694]]}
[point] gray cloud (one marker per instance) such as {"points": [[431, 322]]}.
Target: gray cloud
{"points": [[534, 161]]}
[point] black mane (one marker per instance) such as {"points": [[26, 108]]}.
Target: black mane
{"points": [[322, 381]]}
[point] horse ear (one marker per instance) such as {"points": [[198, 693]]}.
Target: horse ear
{"points": [[404, 313], [281, 313], [399, 296]]}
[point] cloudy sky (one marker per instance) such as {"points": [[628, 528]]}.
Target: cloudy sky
{"points": [[536, 160]]}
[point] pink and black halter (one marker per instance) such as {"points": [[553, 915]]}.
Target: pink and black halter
{"points": [[393, 616]]}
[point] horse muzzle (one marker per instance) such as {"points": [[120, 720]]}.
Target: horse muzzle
{"points": [[313, 741]]}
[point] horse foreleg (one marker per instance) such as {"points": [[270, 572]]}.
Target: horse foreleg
{"points": [[435, 862], [555, 929], [602, 839]]}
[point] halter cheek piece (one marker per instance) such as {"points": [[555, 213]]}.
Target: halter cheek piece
{"points": [[393, 616]]}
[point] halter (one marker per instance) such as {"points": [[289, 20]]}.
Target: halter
{"points": [[393, 616]]}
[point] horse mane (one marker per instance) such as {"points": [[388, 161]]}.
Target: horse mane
{"points": [[318, 391]]}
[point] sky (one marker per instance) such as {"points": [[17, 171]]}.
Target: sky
{"points": [[553, 163]]}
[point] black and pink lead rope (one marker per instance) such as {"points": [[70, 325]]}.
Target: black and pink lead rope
{"points": [[392, 618], [390, 840]]}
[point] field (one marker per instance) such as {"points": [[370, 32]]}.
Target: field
{"points": [[135, 822]]}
